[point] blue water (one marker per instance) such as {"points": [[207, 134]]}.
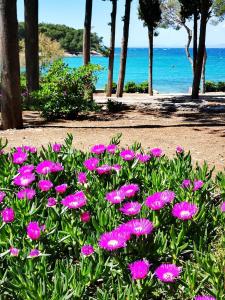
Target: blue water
{"points": [[172, 70]]}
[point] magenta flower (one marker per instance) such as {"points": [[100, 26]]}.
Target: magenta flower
{"points": [[111, 148], [156, 152], [19, 157], [26, 169], [205, 298], [33, 230], [82, 178], [45, 185], [198, 185], [61, 188], [179, 149], [8, 215], [115, 197], [129, 190], [139, 227], [222, 207], [44, 167], [139, 269], [51, 202], [117, 167], [14, 251], [127, 154], [87, 250], [143, 157], [184, 210], [34, 253], [131, 208], [57, 167], [2, 196], [85, 217], [30, 149], [76, 200], [24, 180], [167, 196], [98, 149], [91, 163], [186, 183], [104, 169], [56, 147], [112, 241], [154, 202], [28, 194], [167, 272]]}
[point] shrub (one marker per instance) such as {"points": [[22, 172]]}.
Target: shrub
{"points": [[114, 87], [165, 211], [143, 87], [221, 86], [65, 92], [114, 106], [130, 87], [212, 86]]}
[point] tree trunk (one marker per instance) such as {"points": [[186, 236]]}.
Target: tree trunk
{"points": [[203, 72], [31, 44], [195, 41], [87, 32], [150, 80], [201, 49], [123, 56], [11, 109], [187, 47], [112, 49]]}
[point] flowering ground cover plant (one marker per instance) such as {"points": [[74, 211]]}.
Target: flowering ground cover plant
{"points": [[111, 223]]}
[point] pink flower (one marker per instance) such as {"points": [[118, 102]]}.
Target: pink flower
{"points": [[104, 169], [45, 167], [129, 190], [91, 163], [87, 250], [14, 251], [179, 149], [117, 167], [222, 207], [19, 157], [115, 197], [154, 202], [167, 196], [24, 180], [26, 194], [198, 184], [57, 167], [2, 196], [30, 149], [8, 215], [184, 210], [33, 230], [26, 169], [156, 152], [205, 298], [186, 183], [139, 269], [143, 157], [139, 226], [34, 253], [111, 148], [127, 154], [85, 217], [45, 185], [56, 147], [61, 188], [131, 208], [112, 241], [167, 272], [76, 200], [51, 202], [82, 178], [98, 149]]}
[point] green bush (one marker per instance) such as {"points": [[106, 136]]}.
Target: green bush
{"points": [[130, 87], [212, 86], [114, 87], [143, 87], [114, 106], [221, 86], [64, 92]]}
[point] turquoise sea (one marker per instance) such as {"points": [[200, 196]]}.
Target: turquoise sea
{"points": [[172, 70]]}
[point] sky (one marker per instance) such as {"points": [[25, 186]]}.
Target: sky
{"points": [[71, 13]]}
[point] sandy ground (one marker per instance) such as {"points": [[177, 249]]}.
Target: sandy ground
{"points": [[201, 133]]}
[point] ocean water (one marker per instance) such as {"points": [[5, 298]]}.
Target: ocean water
{"points": [[172, 70]]}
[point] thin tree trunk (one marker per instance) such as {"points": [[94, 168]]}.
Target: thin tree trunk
{"points": [[201, 49], [187, 46], [11, 109], [112, 49], [123, 56], [87, 32], [150, 80], [203, 72], [31, 44], [195, 41]]}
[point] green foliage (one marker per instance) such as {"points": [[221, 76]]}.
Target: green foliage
{"points": [[150, 13], [130, 87], [65, 92], [142, 87], [114, 106], [114, 87], [212, 86]]}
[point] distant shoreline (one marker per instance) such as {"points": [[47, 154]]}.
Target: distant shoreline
{"points": [[80, 54]]}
